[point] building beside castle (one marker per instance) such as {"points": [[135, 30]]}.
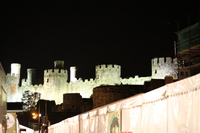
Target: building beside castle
{"points": [[3, 105], [188, 50], [56, 80]]}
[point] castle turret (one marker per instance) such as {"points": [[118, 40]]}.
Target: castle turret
{"points": [[162, 67], [108, 74], [15, 69], [58, 64], [31, 76], [73, 74]]}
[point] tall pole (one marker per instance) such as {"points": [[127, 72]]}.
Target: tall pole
{"points": [[46, 115], [46, 111], [39, 116], [175, 49]]}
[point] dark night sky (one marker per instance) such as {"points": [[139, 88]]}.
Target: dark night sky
{"points": [[91, 33]]}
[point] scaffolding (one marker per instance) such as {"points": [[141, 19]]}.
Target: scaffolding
{"points": [[188, 50]]}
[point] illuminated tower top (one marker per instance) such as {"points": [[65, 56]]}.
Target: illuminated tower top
{"points": [[73, 74], [15, 69]]}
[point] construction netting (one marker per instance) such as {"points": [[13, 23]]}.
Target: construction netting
{"points": [[173, 108], [189, 37]]}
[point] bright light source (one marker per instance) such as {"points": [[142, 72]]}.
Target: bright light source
{"points": [[34, 115]]}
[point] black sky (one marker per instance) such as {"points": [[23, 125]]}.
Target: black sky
{"points": [[91, 33]]}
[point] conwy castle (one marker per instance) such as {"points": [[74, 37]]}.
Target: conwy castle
{"points": [[56, 80]]}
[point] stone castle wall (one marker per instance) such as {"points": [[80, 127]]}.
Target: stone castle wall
{"points": [[103, 95], [55, 80], [72, 102], [134, 81]]}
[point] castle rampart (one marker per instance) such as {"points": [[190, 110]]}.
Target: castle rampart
{"points": [[12, 79], [55, 80], [88, 80], [109, 66], [13, 75], [135, 81], [163, 61], [55, 71], [51, 74]]}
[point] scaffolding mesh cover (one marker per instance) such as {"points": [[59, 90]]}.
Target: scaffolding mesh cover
{"points": [[189, 37]]}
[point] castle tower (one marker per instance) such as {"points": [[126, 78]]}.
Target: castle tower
{"points": [[162, 67], [73, 74], [108, 74], [58, 64], [31, 76], [15, 69], [54, 82]]}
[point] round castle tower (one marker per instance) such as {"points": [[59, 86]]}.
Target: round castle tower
{"points": [[15, 72], [31, 76], [108, 74], [103, 95], [73, 74], [15, 69]]}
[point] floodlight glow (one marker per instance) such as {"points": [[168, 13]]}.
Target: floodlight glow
{"points": [[34, 115]]}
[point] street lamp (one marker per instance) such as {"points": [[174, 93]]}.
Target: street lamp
{"points": [[34, 115]]}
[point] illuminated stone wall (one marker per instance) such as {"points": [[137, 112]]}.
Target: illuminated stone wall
{"points": [[12, 85], [55, 80], [55, 84], [162, 67], [84, 87], [14, 94], [135, 81], [108, 74]]}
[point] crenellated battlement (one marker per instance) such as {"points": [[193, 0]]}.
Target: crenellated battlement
{"points": [[91, 80], [135, 81], [55, 71], [13, 75], [162, 67], [87, 80], [163, 61], [35, 86], [51, 76], [109, 66]]}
